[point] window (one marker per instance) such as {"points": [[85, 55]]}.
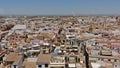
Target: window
{"points": [[14, 66], [39, 66], [115, 65], [43, 51], [83, 61], [115, 60], [66, 65], [109, 60], [72, 59], [46, 65], [63, 40], [78, 59]]}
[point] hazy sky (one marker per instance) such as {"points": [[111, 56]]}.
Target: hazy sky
{"points": [[59, 7]]}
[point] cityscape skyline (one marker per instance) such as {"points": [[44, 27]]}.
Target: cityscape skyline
{"points": [[59, 7]]}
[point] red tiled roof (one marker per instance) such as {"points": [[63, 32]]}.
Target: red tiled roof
{"points": [[2, 52]]}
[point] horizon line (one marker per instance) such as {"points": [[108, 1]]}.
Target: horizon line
{"points": [[59, 15]]}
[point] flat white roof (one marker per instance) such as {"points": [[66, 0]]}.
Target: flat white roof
{"points": [[34, 51], [19, 27], [47, 44], [96, 65], [71, 65], [35, 45]]}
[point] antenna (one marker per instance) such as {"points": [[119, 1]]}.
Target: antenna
{"points": [[73, 13]]}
